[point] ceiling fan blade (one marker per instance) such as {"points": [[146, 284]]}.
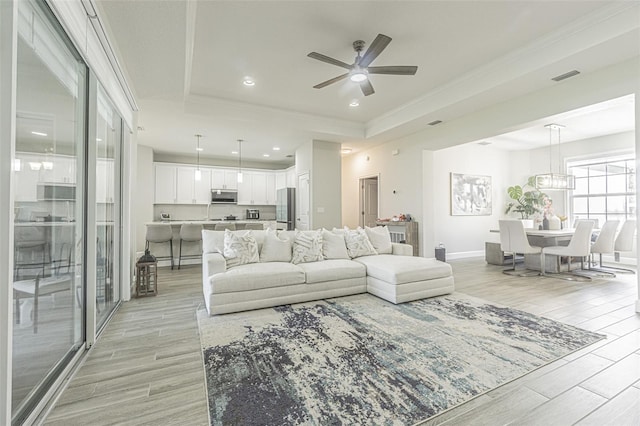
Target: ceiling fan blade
{"points": [[333, 80], [325, 58], [398, 70], [367, 88], [377, 46]]}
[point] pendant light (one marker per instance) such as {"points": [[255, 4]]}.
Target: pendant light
{"points": [[198, 174], [240, 160], [552, 180]]}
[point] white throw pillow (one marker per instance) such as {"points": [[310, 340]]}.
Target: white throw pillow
{"points": [[333, 245], [240, 249], [307, 247], [358, 243], [275, 249], [380, 239]]}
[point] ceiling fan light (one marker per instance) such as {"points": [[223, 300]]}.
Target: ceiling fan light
{"points": [[358, 76]]}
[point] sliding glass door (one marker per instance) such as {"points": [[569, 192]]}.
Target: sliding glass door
{"points": [[49, 233]]}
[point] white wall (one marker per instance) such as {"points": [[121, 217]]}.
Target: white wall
{"points": [[466, 235], [325, 185], [144, 192], [401, 173]]}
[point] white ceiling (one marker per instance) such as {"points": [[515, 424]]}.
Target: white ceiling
{"points": [[186, 61]]}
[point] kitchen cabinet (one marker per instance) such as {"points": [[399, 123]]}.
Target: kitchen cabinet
{"points": [[165, 184], [253, 189], [224, 179], [192, 191], [281, 179], [270, 188], [57, 169]]}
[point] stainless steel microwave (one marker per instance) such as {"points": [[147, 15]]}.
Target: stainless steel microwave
{"points": [[224, 196]]}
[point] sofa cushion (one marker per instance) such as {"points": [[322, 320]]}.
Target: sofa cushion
{"points": [[307, 247], [254, 276], [358, 243], [332, 270], [333, 246], [380, 239], [240, 249], [404, 269], [275, 248]]}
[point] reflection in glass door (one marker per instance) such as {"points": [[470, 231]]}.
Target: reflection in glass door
{"points": [[108, 143], [48, 275]]}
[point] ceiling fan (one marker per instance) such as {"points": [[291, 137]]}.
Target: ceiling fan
{"points": [[360, 69]]}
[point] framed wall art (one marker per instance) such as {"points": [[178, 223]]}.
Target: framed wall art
{"points": [[470, 195]]}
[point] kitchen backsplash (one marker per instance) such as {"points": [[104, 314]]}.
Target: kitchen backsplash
{"points": [[216, 211]]}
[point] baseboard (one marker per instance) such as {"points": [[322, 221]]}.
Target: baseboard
{"points": [[465, 254]]}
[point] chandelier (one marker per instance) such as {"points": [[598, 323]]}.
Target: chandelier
{"points": [[553, 180]]}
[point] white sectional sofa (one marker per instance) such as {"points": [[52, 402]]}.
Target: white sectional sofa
{"points": [[274, 280]]}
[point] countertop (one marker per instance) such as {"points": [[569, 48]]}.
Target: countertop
{"points": [[210, 221]]}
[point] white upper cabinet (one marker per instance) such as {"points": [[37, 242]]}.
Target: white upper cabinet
{"points": [[165, 184], [281, 179], [253, 189], [270, 188], [192, 191], [224, 179]]}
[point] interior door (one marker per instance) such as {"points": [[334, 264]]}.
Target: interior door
{"points": [[303, 203], [368, 201]]}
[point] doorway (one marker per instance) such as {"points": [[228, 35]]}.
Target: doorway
{"points": [[368, 201]]}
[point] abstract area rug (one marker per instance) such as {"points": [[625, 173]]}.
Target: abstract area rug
{"points": [[362, 360]]}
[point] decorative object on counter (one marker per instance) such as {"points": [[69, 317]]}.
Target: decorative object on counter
{"points": [[553, 180], [165, 217], [146, 275], [545, 223], [527, 199], [470, 195], [554, 222], [563, 219]]}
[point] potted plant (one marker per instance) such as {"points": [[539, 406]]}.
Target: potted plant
{"points": [[527, 200]]}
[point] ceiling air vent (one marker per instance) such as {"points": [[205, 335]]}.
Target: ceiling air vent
{"points": [[484, 143], [289, 155], [565, 75], [433, 123]]}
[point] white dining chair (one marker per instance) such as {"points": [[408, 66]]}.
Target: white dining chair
{"points": [[624, 243], [604, 244], [513, 239], [579, 246]]}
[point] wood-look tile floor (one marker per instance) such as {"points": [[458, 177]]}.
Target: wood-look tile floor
{"points": [[146, 367]]}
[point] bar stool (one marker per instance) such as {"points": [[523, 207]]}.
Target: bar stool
{"points": [[191, 233], [158, 234], [224, 226], [31, 250]]}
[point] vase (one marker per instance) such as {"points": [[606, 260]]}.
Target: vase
{"points": [[545, 223]]}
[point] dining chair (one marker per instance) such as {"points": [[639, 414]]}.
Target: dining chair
{"points": [[624, 243], [37, 287], [579, 246], [513, 239], [604, 243]]}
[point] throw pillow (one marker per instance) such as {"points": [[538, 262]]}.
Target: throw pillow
{"points": [[333, 246], [380, 239], [358, 243], [307, 247], [274, 248], [240, 249]]}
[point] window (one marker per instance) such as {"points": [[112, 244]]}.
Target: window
{"points": [[605, 189]]}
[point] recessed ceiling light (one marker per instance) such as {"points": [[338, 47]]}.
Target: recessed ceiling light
{"points": [[354, 103], [234, 152], [199, 149], [345, 150], [276, 148], [39, 133], [98, 140], [265, 155], [248, 81]]}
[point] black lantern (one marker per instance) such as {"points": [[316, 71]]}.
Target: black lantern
{"points": [[147, 275]]}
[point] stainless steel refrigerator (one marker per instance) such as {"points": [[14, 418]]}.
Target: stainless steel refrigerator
{"points": [[286, 208]]}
